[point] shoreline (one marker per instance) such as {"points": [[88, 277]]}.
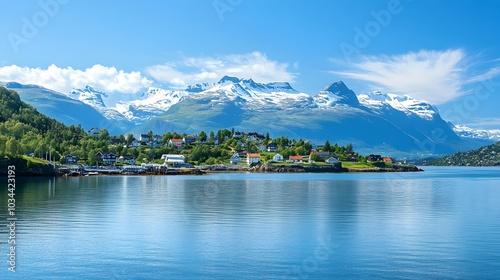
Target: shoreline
{"points": [[265, 168]]}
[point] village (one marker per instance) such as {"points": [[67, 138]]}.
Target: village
{"points": [[225, 151]]}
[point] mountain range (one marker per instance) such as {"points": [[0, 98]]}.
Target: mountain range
{"points": [[373, 122]]}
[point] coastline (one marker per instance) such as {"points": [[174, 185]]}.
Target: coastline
{"points": [[48, 170]]}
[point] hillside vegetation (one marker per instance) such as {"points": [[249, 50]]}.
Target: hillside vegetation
{"points": [[484, 156]]}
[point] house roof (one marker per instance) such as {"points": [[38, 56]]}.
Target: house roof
{"points": [[295, 157], [176, 140], [253, 155]]}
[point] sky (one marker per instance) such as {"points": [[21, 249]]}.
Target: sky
{"points": [[444, 52]]}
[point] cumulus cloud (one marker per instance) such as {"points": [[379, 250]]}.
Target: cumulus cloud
{"points": [[107, 79], [434, 76], [192, 70]]}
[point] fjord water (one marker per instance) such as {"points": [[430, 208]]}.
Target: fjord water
{"points": [[443, 223]]}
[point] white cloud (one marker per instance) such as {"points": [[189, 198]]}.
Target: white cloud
{"points": [[107, 79], [192, 70], [434, 76]]}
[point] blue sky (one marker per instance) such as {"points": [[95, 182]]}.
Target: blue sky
{"points": [[445, 52]]}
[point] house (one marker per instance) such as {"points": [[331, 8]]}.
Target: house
{"points": [[70, 159], [134, 144], [278, 158], [372, 157], [174, 159], [144, 138], [237, 134], [235, 158], [190, 139], [253, 158], [255, 136], [126, 159], [272, 147], [324, 154], [94, 131], [214, 140], [106, 158], [157, 138], [296, 159], [388, 160], [175, 142], [331, 160], [262, 147], [251, 138]]}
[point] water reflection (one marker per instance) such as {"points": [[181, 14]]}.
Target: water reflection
{"points": [[258, 226]]}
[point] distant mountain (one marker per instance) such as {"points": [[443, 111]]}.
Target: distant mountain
{"points": [[467, 132], [373, 122], [154, 102], [484, 156], [94, 98], [63, 108]]}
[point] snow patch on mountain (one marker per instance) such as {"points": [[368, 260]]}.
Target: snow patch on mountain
{"points": [[154, 102], [465, 131], [377, 100], [95, 99], [336, 94], [257, 96]]}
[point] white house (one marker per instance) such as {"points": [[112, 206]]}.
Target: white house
{"points": [[127, 159], [94, 131], [175, 142], [235, 158], [277, 158], [134, 144], [157, 138], [174, 159], [190, 139], [253, 158], [144, 138]]}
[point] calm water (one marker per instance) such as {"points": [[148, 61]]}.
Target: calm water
{"points": [[440, 224]]}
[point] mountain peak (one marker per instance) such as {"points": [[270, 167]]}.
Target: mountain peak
{"points": [[338, 93], [229, 79], [336, 87]]}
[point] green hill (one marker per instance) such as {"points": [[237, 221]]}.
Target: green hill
{"points": [[24, 130], [484, 156]]}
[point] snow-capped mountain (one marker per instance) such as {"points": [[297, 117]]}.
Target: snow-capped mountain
{"points": [[373, 122], [154, 102], [336, 94], [377, 101], [95, 99], [464, 131], [256, 96]]}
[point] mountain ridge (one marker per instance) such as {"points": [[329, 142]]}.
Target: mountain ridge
{"points": [[381, 121]]}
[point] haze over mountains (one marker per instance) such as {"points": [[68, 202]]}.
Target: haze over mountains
{"points": [[373, 122]]}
